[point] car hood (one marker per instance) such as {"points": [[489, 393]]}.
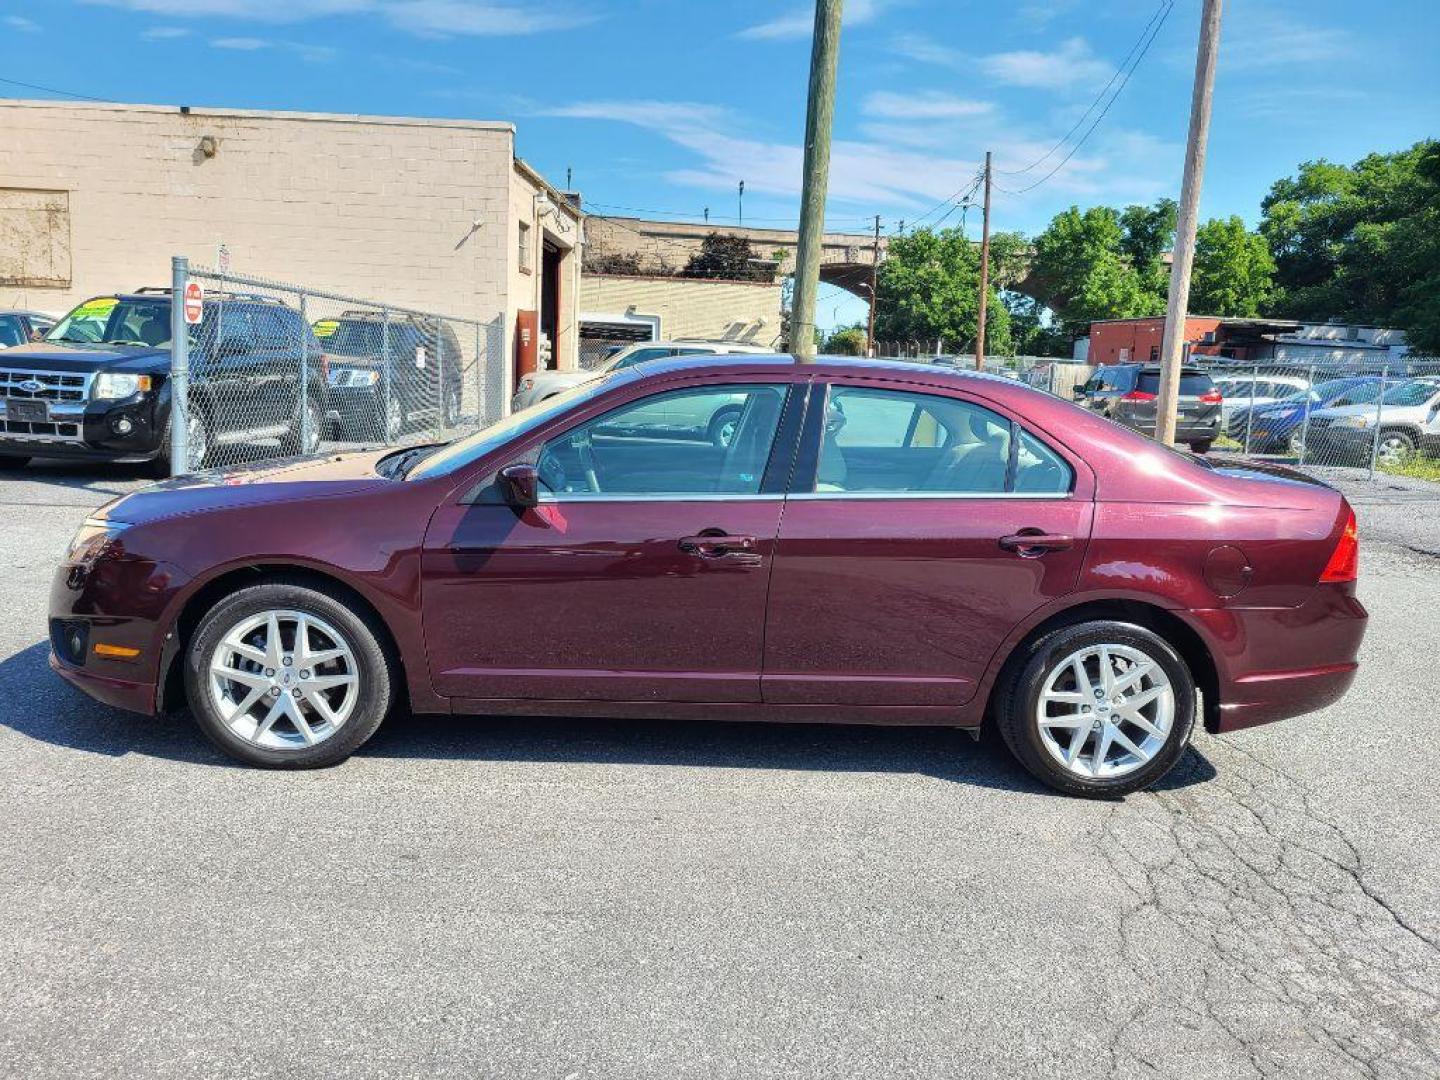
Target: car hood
{"points": [[564, 378], [1368, 409], [289, 480], [85, 358]]}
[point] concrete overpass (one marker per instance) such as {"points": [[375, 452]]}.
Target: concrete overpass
{"points": [[846, 259]]}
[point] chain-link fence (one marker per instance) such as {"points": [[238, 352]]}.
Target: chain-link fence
{"points": [[264, 369], [1352, 416]]}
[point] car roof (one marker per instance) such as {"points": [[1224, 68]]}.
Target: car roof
{"points": [[759, 363]]}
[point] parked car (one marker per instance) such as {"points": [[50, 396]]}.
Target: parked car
{"points": [[388, 375], [1279, 428], [879, 543], [1408, 418], [1126, 393], [98, 386], [1248, 390], [540, 385], [19, 327]]}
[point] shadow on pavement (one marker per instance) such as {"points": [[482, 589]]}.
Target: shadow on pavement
{"points": [[43, 708]]}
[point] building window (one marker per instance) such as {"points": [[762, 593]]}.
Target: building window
{"points": [[525, 247], [1154, 353]]}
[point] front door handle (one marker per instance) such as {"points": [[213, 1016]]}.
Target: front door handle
{"points": [[714, 544], [1031, 544]]}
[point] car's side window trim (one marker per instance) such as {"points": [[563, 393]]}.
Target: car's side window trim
{"points": [[807, 464]]}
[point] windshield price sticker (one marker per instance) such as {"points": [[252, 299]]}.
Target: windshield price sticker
{"points": [[419, 356]]}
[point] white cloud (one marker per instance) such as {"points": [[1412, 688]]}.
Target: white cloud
{"points": [[894, 167], [164, 33], [923, 105], [924, 50], [240, 44], [1071, 65], [426, 18], [800, 22], [1260, 38], [24, 25]]}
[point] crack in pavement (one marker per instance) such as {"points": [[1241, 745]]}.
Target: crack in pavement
{"points": [[1289, 962]]}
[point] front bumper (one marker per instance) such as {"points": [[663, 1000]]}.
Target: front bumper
{"points": [[121, 602], [130, 428]]}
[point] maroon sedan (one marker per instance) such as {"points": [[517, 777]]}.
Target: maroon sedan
{"points": [[878, 543]]}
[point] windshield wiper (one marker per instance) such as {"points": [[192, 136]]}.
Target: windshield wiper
{"points": [[406, 460]]}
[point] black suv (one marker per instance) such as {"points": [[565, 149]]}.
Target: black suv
{"points": [[1126, 393], [98, 386], [390, 374]]}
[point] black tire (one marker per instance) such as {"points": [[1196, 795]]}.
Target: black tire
{"points": [[376, 673], [1017, 698], [716, 431], [13, 461], [292, 442], [1402, 442], [1201, 446]]}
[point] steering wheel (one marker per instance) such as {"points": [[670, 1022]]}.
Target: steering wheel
{"points": [[587, 460]]}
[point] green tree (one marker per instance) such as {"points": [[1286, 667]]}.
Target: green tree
{"points": [[848, 341], [1234, 272], [1084, 265], [1361, 242], [724, 256], [1148, 234], [929, 288], [1032, 332]]}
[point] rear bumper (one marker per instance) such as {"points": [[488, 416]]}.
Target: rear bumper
{"points": [[1275, 663]]}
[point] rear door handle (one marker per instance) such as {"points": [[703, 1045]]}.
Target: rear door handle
{"points": [[1030, 545], [717, 545]]}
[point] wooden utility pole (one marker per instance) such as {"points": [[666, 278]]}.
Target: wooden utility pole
{"points": [[740, 203], [984, 273], [1172, 345], [819, 118], [874, 286]]}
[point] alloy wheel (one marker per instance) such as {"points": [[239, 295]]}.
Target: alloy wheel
{"points": [[284, 680], [726, 432], [1394, 449], [1105, 710], [196, 441]]}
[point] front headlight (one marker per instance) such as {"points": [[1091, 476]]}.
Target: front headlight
{"points": [[1359, 422], [527, 383], [111, 385], [92, 539]]}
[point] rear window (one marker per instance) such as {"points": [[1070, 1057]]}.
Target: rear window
{"points": [[1192, 383]]}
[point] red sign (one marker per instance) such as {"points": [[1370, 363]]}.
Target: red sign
{"points": [[194, 302]]}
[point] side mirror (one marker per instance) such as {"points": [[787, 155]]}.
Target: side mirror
{"points": [[521, 485], [1078, 393]]}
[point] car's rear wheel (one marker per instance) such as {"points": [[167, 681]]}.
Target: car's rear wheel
{"points": [[452, 406], [1098, 709], [282, 675], [1201, 446]]}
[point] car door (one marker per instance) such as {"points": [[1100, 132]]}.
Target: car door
{"points": [[223, 371], [642, 574], [923, 525]]}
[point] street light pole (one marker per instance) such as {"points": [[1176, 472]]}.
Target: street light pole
{"points": [[1173, 344]]}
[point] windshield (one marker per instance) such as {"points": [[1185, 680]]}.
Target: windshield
{"points": [[112, 321], [462, 452], [1411, 393], [356, 337]]}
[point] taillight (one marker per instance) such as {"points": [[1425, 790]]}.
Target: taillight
{"points": [[1344, 564], [1212, 398], [1139, 395]]}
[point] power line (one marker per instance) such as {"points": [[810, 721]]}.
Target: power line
{"points": [[1114, 97], [53, 90], [963, 195], [1164, 7]]}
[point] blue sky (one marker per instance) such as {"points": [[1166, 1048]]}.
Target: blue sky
{"points": [[666, 104]]}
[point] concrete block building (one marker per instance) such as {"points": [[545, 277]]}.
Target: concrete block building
{"points": [[435, 214]]}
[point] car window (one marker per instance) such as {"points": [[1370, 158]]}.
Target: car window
{"points": [[1411, 393], [893, 441], [699, 441], [639, 356], [1192, 383], [12, 331], [1039, 469]]}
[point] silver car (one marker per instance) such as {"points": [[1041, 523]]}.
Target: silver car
{"points": [[1408, 418], [539, 385]]}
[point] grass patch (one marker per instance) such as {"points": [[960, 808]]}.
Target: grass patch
{"points": [[1416, 467], [1224, 442]]}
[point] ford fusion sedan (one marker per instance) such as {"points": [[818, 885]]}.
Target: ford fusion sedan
{"points": [[877, 543]]}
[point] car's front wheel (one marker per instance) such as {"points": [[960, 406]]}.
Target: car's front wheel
{"points": [[1097, 709], [283, 675]]}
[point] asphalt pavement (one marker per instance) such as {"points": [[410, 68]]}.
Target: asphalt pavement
{"points": [[606, 899]]}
